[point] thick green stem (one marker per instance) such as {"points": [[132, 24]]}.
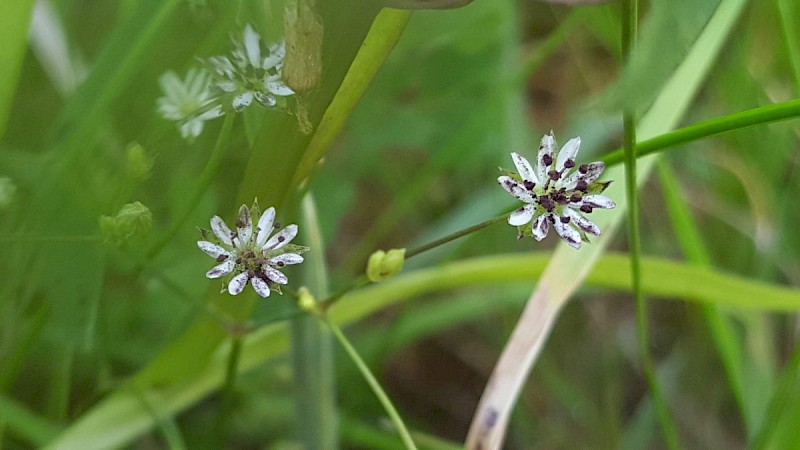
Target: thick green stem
{"points": [[374, 384], [312, 351], [630, 15]]}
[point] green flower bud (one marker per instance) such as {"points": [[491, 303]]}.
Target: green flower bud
{"points": [[133, 221], [139, 163], [306, 301], [8, 192], [383, 265]]}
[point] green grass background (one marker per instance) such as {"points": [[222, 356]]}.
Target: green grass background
{"points": [[103, 347]]}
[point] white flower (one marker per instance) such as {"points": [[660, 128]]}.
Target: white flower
{"points": [[553, 196], [250, 254], [187, 101], [248, 74]]}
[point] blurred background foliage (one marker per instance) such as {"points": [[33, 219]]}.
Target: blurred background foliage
{"points": [[416, 160]]}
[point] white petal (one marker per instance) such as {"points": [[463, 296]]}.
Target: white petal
{"points": [[568, 151], [282, 238], [275, 275], [279, 88], [276, 53], [265, 226], [547, 146], [244, 226], [568, 234], [221, 269], [593, 172], [221, 230], [286, 259], [212, 250], [251, 46], [238, 283], [260, 286], [524, 168], [266, 100], [242, 101], [226, 85], [515, 188], [582, 222], [598, 201], [522, 215], [540, 227]]}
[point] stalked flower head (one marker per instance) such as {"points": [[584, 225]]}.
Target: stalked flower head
{"points": [[188, 102], [251, 72], [554, 194], [249, 254]]}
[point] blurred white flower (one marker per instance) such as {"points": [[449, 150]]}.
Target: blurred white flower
{"points": [[188, 102], [250, 73], [249, 254], [553, 196]]}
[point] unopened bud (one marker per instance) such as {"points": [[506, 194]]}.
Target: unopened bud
{"points": [[302, 66], [133, 221], [383, 265], [139, 163]]}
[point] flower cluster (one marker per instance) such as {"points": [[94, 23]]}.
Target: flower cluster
{"points": [[249, 254], [224, 84], [555, 196]]}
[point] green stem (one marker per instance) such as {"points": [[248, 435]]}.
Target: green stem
{"points": [[363, 280], [228, 392], [630, 14], [206, 177], [373, 383], [736, 121]]}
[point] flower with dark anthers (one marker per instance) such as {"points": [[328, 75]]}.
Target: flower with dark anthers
{"points": [[250, 254], [554, 194]]}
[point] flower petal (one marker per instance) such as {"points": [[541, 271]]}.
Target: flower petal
{"points": [[522, 215], [221, 231], [568, 234], [260, 286], [515, 188], [593, 172], [266, 100], [238, 283], [286, 259], [524, 168], [278, 87], [282, 238], [222, 269], [277, 51], [265, 226], [568, 151], [540, 227], [598, 201], [244, 226], [212, 250], [242, 101], [582, 222], [251, 46], [275, 275], [547, 146]]}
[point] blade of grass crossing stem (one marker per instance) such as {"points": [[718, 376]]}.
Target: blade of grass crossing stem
{"points": [[630, 20], [312, 349], [15, 18], [119, 418], [719, 326], [568, 268]]}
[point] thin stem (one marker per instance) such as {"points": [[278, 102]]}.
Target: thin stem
{"points": [[362, 280], [630, 15], [206, 177], [736, 121], [228, 393], [374, 384]]}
